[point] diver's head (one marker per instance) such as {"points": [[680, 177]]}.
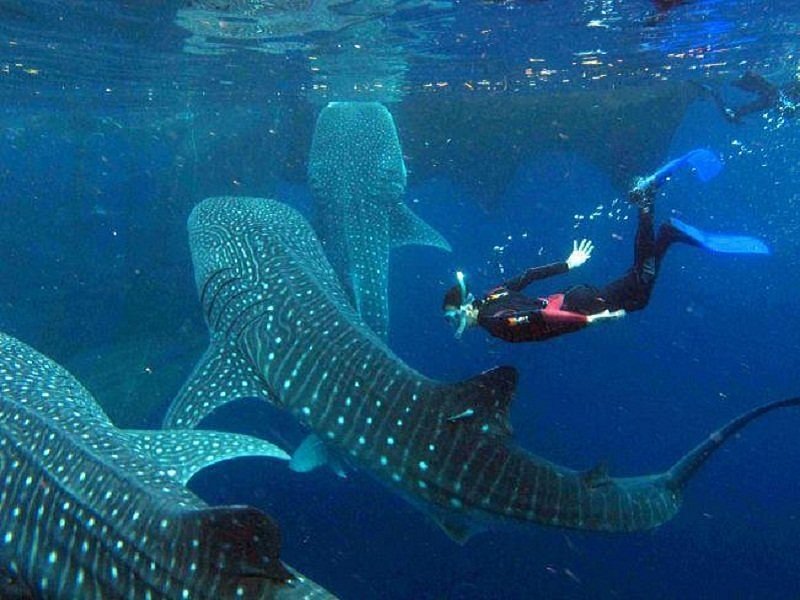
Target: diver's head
{"points": [[459, 306]]}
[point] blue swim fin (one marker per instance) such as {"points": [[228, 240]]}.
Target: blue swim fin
{"points": [[705, 163], [718, 242]]}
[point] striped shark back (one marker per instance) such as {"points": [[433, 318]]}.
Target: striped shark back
{"points": [[357, 175], [357, 178], [79, 528], [280, 323], [84, 512]]}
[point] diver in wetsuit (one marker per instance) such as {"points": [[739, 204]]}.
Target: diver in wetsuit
{"points": [[768, 96], [662, 9], [665, 5], [507, 313]]}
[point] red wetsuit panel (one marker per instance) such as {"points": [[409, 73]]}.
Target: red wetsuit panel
{"points": [[554, 313], [519, 319], [557, 321]]}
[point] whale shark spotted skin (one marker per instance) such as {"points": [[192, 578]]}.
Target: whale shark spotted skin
{"points": [[91, 511], [281, 328], [357, 178]]}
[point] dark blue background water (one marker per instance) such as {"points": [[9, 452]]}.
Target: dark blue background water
{"points": [[93, 254]]}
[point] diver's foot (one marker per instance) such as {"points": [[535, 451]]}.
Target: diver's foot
{"points": [[671, 234], [643, 193]]}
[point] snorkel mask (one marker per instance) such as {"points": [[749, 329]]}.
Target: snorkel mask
{"points": [[458, 316]]}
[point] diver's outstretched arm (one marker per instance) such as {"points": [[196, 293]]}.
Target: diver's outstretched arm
{"points": [[581, 252]]}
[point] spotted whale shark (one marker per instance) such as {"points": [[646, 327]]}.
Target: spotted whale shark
{"points": [[282, 329], [88, 510], [357, 178]]}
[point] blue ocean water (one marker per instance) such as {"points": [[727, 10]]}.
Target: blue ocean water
{"points": [[119, 117]]}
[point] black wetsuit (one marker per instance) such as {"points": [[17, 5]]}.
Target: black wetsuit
{"points": [[665, 5], [511, 315], [662, 8]]}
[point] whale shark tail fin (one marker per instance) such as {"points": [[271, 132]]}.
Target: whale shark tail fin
{"points": [[683, 470]]}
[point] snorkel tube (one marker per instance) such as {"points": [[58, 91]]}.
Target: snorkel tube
{"points": [[463, 287], [459, 315]]}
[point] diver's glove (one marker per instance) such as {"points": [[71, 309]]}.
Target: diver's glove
{"points": [[606, 315], [581, 252]]}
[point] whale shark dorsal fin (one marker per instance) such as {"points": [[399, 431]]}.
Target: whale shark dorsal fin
{"points": [[182, 453], [408, 229], [241, 541], [222, 376], [597, 476], [483, 401]]}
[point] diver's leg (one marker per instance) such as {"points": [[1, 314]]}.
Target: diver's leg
{"points": [[632, 291]]}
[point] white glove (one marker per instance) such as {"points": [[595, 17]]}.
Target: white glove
{"points": [[606, 315], [581, 252]]}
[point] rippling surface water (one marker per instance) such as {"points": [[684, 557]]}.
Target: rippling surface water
{"points": [[128, 54]]}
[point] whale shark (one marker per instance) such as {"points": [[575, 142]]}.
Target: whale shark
{"points": [[282, 329], [88, 510], [357, 178]]}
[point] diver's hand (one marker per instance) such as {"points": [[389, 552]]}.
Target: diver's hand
{"points": [[581, 252], [606, 315]]}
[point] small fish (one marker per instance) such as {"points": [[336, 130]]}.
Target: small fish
{"points": [[571, 575]]}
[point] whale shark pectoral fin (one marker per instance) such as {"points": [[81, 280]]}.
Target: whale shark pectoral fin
{"points": [[312, 454], [456, 529], [482, 402], [221, 376], [183, 452], [407, 228], [240, 541]]}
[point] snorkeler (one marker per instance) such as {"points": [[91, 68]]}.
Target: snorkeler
{"points": [[662, 8], [505, 312], [665, 5], [768, 96]]}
